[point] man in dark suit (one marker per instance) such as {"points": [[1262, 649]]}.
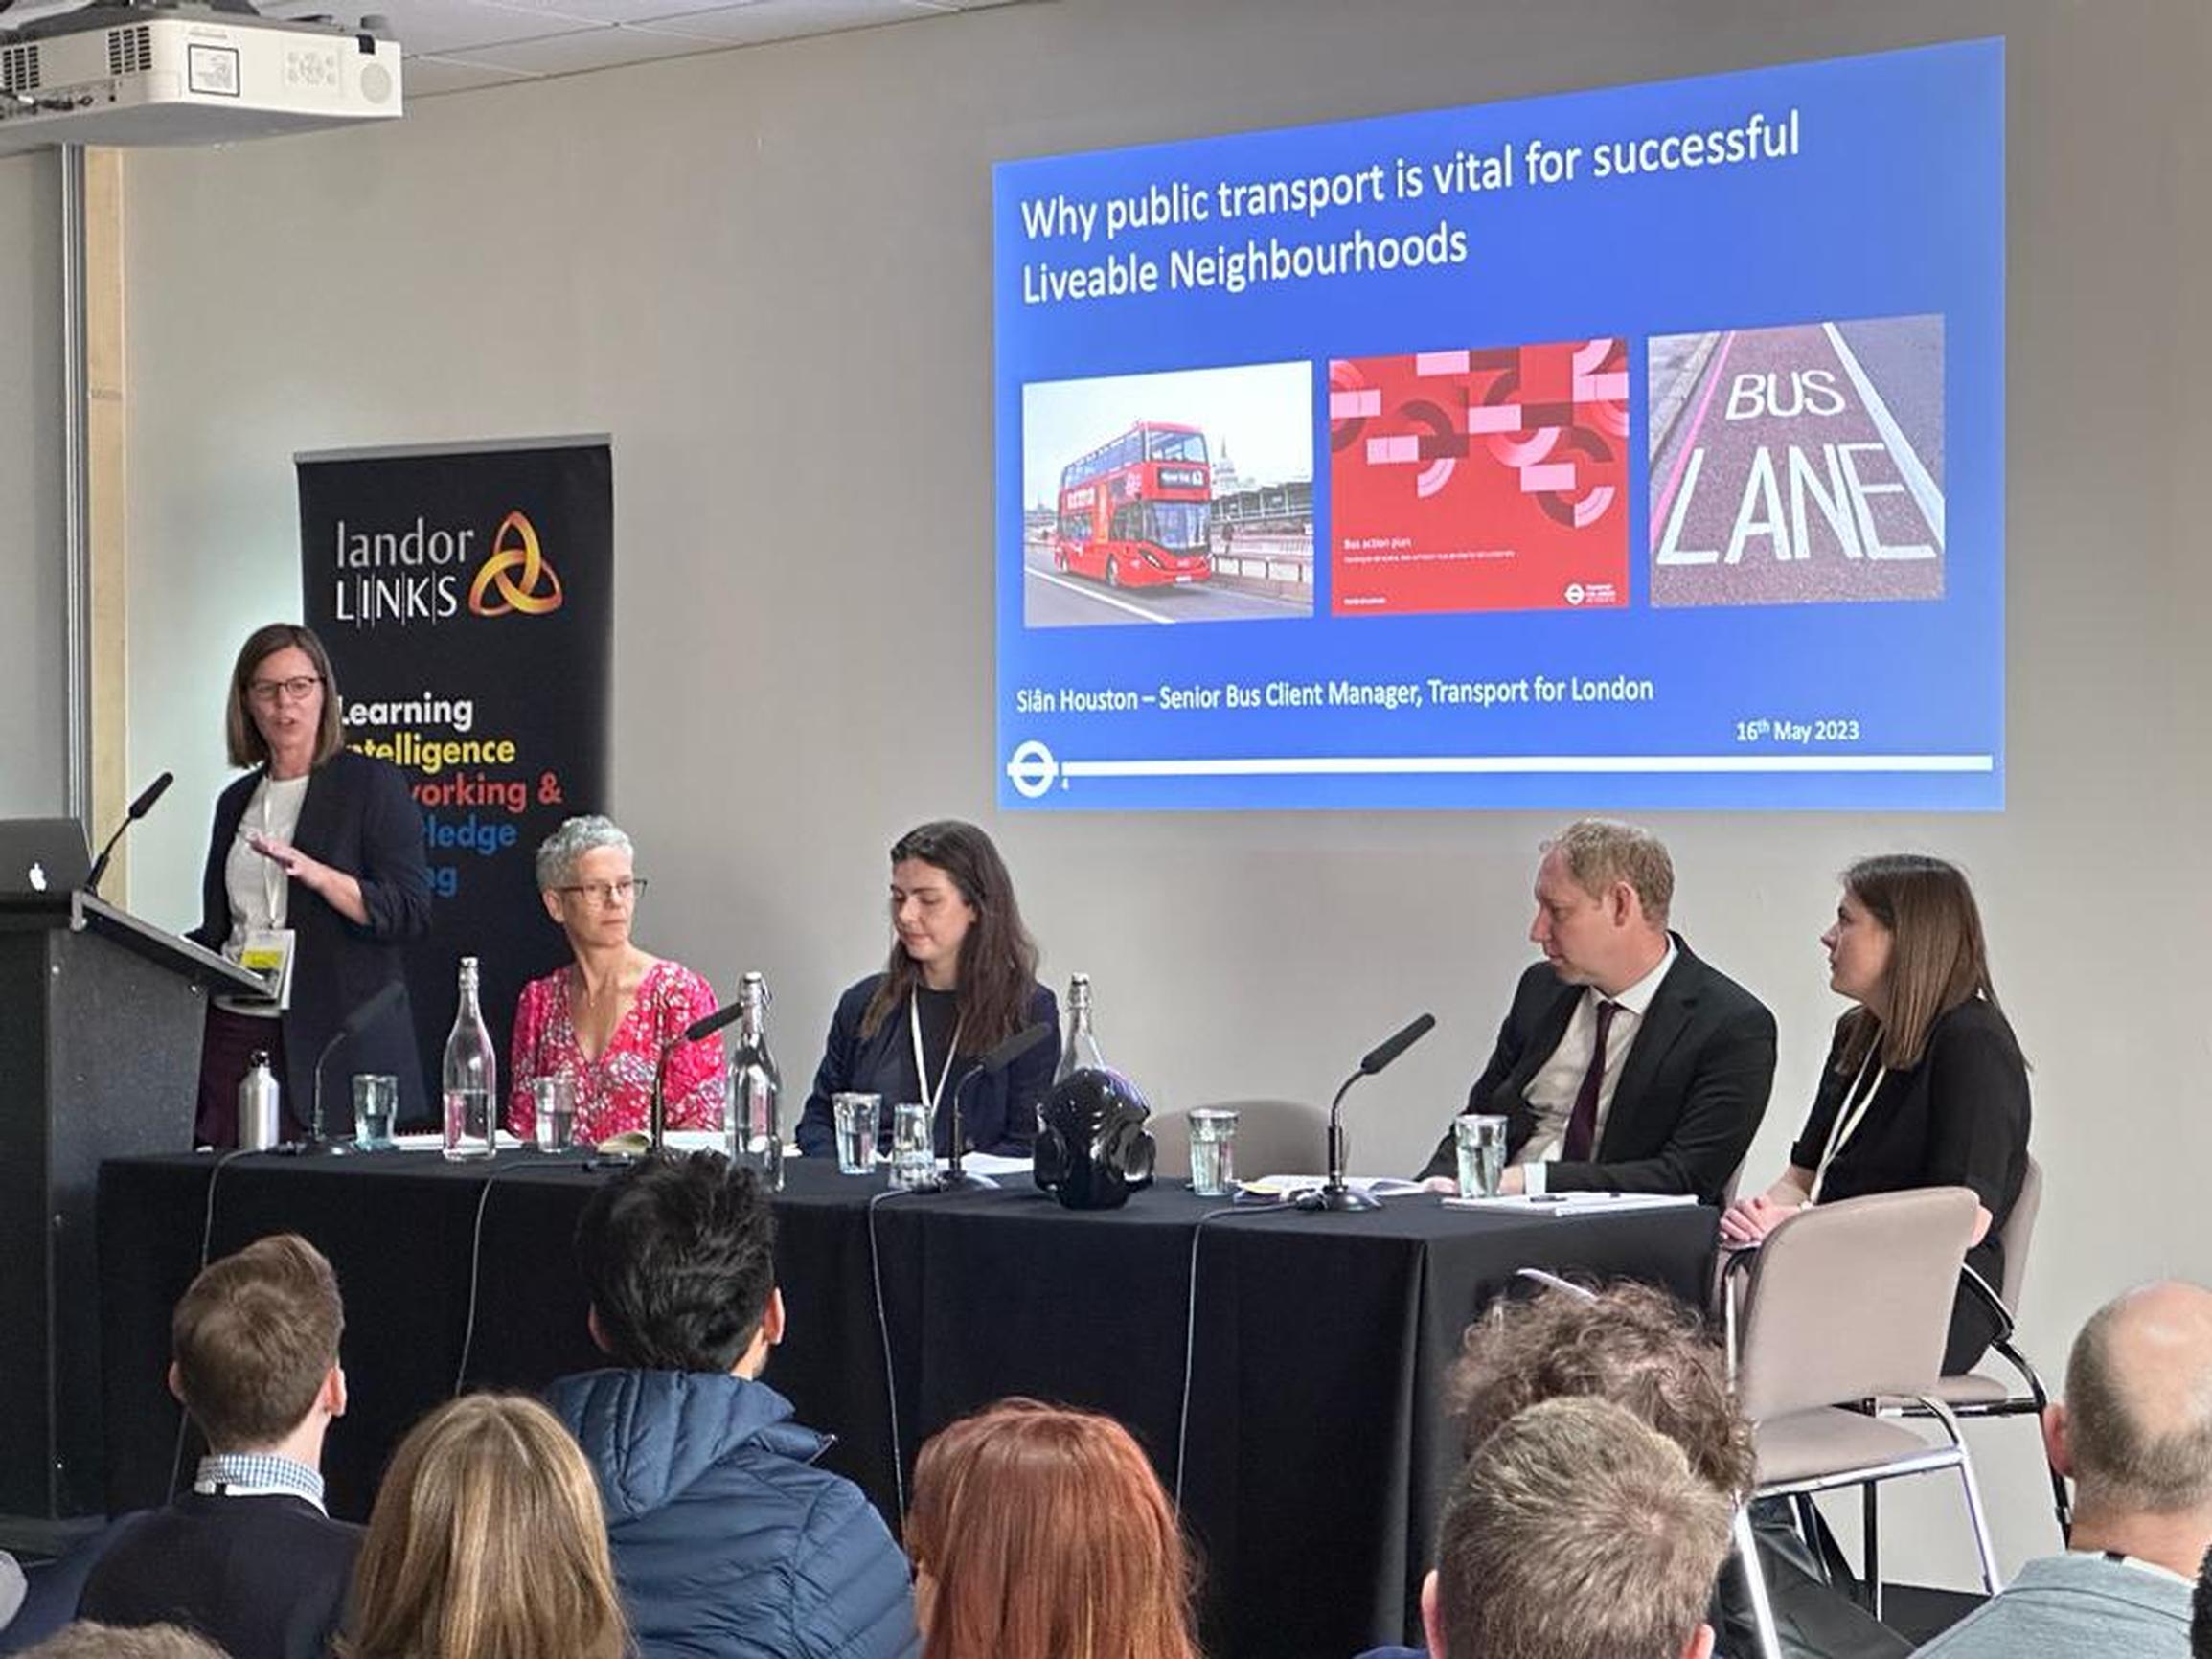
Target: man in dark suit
{"points": [[247, 1557], [1624, 1064]]}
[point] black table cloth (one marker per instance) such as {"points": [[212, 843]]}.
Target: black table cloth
{"points": [[1315, 1453]]}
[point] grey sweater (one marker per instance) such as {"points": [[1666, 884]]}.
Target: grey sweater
{"points": [[2081, 1606]]}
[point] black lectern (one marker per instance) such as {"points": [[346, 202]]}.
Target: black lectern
{"points": [[101, 1021]]}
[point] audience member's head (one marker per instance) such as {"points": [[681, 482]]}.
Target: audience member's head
{"points": [[1041, 1530], [85, 1640], [1630, 1344], [255, 1346], [488, 1538], [1576, 1531], [2135, 1429], [677, 1255]]}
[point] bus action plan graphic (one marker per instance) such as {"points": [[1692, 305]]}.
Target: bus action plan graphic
{"points": [[1637, 448]]}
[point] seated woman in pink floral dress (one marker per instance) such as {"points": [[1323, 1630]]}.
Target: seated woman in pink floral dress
{"points": [[605, 1019]]}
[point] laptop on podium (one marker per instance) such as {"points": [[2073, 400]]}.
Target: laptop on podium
{"points": [[40, 855]]}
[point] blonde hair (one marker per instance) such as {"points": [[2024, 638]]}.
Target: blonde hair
{"points": [[488, 1541], [1598, 851]]}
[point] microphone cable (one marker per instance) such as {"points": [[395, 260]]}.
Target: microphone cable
{"points": [[1191, 1327], [206, 1247], [883, 1331], [536, 1161]]}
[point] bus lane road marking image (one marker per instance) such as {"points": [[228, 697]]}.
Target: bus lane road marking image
{"points": [[1799, 465]]}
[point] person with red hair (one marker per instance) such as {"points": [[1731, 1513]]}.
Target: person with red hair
{"points": [[1037, 1528]]}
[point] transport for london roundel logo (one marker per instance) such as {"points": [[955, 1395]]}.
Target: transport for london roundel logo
{"points": [[515, 576]]}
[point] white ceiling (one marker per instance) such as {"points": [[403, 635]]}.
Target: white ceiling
{"points": [[460, 45]]}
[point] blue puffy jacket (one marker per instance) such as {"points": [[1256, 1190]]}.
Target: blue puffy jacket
{"points": [[728, 1542]]}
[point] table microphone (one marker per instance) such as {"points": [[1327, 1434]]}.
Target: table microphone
{"points": [[991, 1066], [699, 1030], [353, 1024], [1336, 1192], [137, 810]]}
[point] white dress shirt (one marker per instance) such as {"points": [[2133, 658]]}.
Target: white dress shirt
{"points": [[1552, 1091]]}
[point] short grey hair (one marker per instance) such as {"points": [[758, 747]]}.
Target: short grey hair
{"points": [[558, 851], [1598, 851], [2139, 1403], [1578, 1532]]}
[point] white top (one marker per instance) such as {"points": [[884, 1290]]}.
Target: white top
{"points": [[259, 890], [1553, 1089]]}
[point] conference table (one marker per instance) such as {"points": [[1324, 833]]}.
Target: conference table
{"points": [[1283, 1368]]}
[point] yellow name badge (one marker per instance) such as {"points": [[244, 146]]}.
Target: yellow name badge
{"points": [[269, 952]]}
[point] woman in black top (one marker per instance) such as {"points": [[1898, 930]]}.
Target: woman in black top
{"points": [[1925, 1084], [962, 979]]}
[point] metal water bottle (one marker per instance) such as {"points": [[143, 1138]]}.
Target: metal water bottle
{"points": [[756, 1125], [1081, 1050], [470, 1075], [258, 1101]]}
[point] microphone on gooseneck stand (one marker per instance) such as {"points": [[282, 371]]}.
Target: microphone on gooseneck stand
{"points": [[991, 1065], [137, 810], [699, 1030], [1336, 1192], [317, 1143]]}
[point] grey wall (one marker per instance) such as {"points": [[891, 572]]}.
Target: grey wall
{"points": [[34, 698], [767, 274]]}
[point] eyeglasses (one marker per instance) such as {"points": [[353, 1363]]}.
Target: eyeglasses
{"points": [[293, 691], [609, 895]]}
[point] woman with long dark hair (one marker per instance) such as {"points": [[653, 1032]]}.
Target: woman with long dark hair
{"points": [[962, 979], [1039, 1530], [1925, 1084]]}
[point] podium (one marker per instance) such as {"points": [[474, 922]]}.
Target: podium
{"points": [[100, 1046]]}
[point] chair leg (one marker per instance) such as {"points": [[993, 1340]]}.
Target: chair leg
{"points": [[1809, 1529], [1991, 1581], [1755, 1584], [1870, 1524]]}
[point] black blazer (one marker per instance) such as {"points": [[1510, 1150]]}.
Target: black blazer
{"points": [[1689, 1096], [357, 817], [264, 1576], [998, 1114]]}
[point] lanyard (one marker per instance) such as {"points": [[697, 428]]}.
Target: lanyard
{"points": [[1849, 1117], [930, 1096], [275, 882]]}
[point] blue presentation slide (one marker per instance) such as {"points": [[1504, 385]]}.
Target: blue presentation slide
{"points": [[1637, 448]]}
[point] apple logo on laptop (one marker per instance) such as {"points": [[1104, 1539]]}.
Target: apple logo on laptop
{"points": [[38, 877]]}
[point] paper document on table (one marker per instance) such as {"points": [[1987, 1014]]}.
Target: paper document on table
{"points": [[1288, 1186], [1575, 1203], [990, 1163]]}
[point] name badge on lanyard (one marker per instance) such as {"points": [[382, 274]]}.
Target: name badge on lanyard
{"points": [[1849, 1117], [932, 1095]]}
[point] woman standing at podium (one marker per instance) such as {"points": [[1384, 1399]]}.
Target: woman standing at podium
{"points": [[962, 979], [316, 849]]}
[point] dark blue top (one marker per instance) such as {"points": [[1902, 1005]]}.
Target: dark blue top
{"points": [[998, 1114], [728, 1542]]}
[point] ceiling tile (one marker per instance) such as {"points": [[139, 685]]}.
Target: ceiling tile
{"points": [[602, 47], [763, 21], [431, 77]]}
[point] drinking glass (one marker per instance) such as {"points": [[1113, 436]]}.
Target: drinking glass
{"points": [[858, 1116], [1479, 1140], [1213, 1152], [553, 1116], [913, 1145], [376, 1101]]}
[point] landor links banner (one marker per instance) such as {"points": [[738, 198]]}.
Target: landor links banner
{"points": [[466, 597]]}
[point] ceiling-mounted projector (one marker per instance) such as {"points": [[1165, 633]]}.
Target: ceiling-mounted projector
{"points": [[183, 73]]}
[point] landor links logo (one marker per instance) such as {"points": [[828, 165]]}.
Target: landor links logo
{"points": [[515, 576]]}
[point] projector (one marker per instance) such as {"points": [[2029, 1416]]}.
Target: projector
{"points": [[183, 74]]}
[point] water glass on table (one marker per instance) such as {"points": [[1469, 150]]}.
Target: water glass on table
{"points": [[553, 1112], [375, 1103], [1213, 1152], [1479, 1140], [858, 1116], [913, 1145]]}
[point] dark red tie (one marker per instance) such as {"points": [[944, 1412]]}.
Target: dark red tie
{"points": [[1582, 1121]]}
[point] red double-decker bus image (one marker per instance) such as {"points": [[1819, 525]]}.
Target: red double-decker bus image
{"points": [[1139, 511]]}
